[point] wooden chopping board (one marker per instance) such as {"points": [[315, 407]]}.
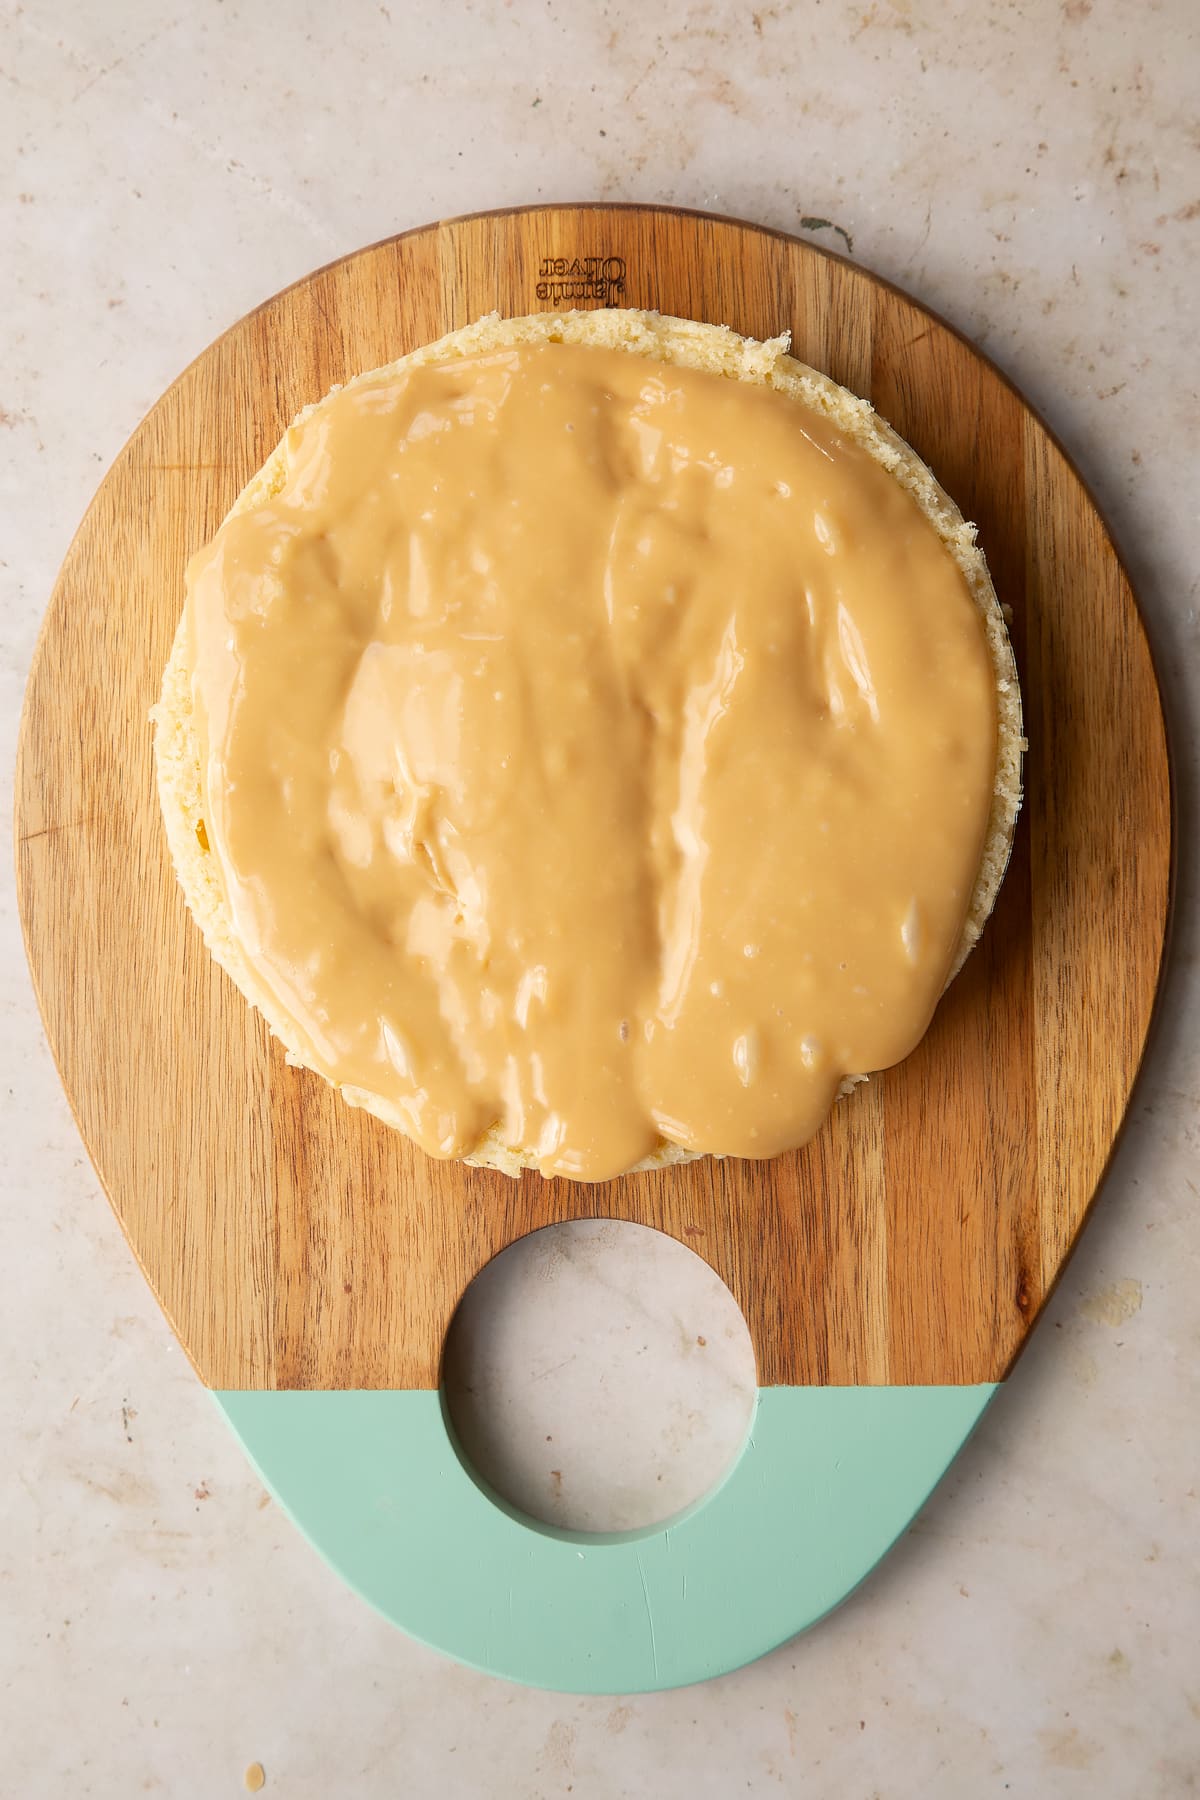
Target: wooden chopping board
{"points": [[296, 1243]]}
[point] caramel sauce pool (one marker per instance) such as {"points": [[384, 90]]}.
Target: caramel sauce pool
{"points": [[592, 748]]}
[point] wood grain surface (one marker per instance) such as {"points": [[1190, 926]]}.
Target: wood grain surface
{"points": [[296, 1243]]}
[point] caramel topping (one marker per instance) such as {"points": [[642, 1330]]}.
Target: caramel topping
{"points": [[593, 748]]}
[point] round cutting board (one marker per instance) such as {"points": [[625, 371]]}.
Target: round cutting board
{"points": [[299, 1246]]}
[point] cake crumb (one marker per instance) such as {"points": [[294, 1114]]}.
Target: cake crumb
{"points": [[255, 1778]]}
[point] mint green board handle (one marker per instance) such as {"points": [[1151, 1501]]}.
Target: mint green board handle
{"points": [[827, 1480]]}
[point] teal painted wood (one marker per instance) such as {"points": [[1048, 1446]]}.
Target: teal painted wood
{"points": [[827, 1480]]}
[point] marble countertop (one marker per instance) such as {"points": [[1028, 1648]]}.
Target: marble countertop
{"points": [[1030, 169]]}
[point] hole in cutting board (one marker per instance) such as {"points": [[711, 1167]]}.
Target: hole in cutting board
{"points": [[599, 1376]]}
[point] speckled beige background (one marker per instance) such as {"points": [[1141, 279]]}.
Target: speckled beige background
{"points": [[1032, 170]]}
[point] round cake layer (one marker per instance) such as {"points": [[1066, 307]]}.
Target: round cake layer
{"points": [[581, 763]]}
